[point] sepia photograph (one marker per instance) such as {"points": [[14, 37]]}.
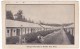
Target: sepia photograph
{"points": [[40, 24], [44, 25]]}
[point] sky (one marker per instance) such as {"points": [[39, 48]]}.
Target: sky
{"points": [[46, 13]]}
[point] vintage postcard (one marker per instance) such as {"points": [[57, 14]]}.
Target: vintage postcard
{"points": [[40, 25]]}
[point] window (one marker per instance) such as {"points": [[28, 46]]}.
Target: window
{"points": [[7, 31], [14, 30]]}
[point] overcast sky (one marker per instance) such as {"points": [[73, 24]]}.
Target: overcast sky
{"points": [[47, 13]]}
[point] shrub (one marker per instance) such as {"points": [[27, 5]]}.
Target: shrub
{"points": [[33, 36], [12, 40], [44, 33], [29, 38]]}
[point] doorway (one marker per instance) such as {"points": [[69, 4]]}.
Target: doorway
{"points": [[18, 32]]}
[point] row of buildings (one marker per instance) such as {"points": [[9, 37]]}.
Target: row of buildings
{"points": [[17, 28], [70, 29]]}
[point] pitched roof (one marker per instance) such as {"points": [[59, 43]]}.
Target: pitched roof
{"points": [[14, 23], [45, 26]]}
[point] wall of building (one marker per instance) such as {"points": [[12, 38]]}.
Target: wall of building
{"points": [[16, 31]]}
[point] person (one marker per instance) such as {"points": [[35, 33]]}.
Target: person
{"points": [[38, 38], [42, 39]]}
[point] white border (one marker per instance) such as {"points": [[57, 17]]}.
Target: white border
{"points": [[58, 46]]}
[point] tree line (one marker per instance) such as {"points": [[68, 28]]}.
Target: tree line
{"points": [[18, 16]]}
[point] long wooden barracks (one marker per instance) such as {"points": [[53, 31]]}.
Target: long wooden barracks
{"points": [[16, 28]]}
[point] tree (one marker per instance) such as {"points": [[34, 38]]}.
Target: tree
{"points": [[19, 15], [40, 22], [24, 19], [9, 15]]}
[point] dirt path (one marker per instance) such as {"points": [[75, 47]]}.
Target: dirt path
{"points": [[58, 37]]}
